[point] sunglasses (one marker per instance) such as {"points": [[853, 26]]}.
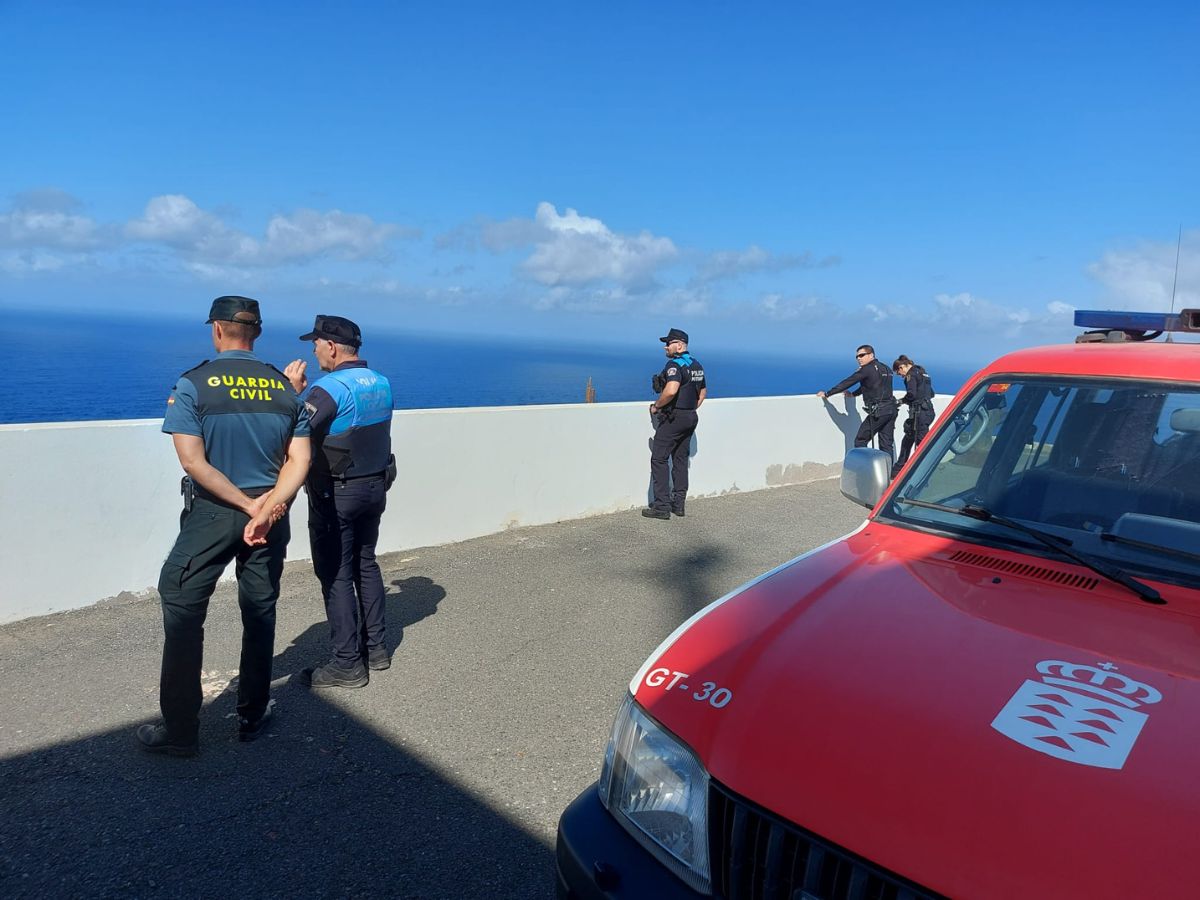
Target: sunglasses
{"points": [[861, 355]]}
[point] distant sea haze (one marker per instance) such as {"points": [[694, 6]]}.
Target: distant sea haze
{"points": [[86, 368]]}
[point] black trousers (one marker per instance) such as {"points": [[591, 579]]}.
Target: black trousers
{"points": [[343, 525], [672, 439], [916, 426], [882, 424], [210, 537]]}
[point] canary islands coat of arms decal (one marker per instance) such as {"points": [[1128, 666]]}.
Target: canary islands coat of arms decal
{"points": [[1082, 714]]}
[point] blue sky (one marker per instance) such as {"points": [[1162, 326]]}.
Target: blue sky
{"points": [[951, 179]]}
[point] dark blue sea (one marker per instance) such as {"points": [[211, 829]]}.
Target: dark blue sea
{"points": [[77, 367]]}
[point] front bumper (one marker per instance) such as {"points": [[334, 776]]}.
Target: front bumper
{"points": [[600, 860]]}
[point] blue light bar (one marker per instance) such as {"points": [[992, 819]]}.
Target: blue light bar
{"points": [[1116, 320]]}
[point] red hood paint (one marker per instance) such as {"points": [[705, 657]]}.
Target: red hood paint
{"points": [[865, 680]]}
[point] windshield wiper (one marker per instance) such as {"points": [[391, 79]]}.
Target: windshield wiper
{"points": [[1053, 541], [1146, 545]]}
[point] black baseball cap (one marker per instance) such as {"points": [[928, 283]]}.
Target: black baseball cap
{"points": [[336, 329], [224, 309], [675, 334]]}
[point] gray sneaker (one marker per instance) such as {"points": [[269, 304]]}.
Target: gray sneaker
{"points": [[333, 675]]}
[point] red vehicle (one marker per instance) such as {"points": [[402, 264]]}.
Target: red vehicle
{"points": [[988, 690]]}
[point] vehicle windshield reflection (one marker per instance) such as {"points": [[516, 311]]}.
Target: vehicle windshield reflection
{"points": [[1068, 456]]}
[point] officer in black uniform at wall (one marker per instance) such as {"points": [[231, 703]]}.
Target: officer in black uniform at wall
{"points": [[918, 397], [681, 390], [242, 437], [874, 381]]}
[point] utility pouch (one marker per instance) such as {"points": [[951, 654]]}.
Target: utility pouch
{"points": [[389, 472], [187, 488], [339, 465], [658, 381]]}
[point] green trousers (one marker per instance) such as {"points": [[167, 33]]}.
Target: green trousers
{"points": [[210, 537]]}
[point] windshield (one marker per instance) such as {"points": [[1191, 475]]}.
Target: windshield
{"points": [[1111, 466]]}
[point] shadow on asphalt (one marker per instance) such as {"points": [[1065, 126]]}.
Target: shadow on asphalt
{"points": [[320, 806], [688, 582]]}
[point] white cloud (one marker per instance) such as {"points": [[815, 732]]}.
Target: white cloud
{"points": [[205, 239], [306, 234], [731, 263], [49, 218], [967, 314], [574, 250], [577, 249], [31, 262], [1141, 277], [800, 309]]}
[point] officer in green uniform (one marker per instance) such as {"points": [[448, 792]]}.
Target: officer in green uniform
{"points": [[242, 437]]}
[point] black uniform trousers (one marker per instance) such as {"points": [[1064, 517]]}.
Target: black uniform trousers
{"points": [[880, 422], [672, 440], [343, 525], [916, 426], [210, 537]]}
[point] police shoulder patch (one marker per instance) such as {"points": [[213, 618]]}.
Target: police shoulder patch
{"points": [[672, 371]]}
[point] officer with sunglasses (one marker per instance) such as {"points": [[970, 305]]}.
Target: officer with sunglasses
{"points": [[874, 381]]}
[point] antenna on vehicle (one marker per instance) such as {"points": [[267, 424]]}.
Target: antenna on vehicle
{"points": [[1175, 280]]}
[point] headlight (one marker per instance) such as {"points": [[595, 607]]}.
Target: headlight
{"points": [[658, 790]]}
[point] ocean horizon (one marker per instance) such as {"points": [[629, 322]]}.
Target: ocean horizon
{"points": [[82, 367]]}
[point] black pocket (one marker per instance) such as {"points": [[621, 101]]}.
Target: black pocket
{"points": [[174, 569]]}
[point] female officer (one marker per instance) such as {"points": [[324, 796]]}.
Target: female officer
{"points": [[919, 397]]}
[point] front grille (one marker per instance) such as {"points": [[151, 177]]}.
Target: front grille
{"points": [[758, 856]]}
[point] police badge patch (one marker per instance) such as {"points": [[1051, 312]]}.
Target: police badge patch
{"points": [[1082, 714]]}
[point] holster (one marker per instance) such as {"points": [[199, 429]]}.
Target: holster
{"points": [[187, 488], [389, 472]]}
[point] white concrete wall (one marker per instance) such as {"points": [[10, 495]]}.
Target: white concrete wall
{"points": [[89, 509]]}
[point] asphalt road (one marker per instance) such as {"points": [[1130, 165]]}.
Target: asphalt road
{"points": [[444, 777]]}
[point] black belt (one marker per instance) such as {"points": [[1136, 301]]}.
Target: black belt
{"points": [[344, 478]]}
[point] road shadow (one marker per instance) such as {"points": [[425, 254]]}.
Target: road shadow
{"points": [[688, 581], [322, 805], [848, 421], [410, 600]]}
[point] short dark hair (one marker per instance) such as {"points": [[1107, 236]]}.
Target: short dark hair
{"points": [[867, 347], [243, 328]]}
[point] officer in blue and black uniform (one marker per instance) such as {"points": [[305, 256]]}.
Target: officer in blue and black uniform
{"points": [[874, 385], [242, 437], [681, 390], [351, 410]]}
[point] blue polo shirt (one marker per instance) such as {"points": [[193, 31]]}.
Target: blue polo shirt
{"points": [[245, 411]]}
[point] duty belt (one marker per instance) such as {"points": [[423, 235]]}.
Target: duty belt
{"points": [[343, 478]]}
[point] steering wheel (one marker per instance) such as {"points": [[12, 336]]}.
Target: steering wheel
{"points": [[972, 432]]}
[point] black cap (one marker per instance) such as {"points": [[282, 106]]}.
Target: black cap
{"points": [[224, 309], [336, 329], [675, 335]]}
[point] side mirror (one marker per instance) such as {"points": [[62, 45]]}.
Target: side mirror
{"points": [[865, 475]]}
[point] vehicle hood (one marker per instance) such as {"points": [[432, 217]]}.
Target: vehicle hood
{"points": [[982, 733]]}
